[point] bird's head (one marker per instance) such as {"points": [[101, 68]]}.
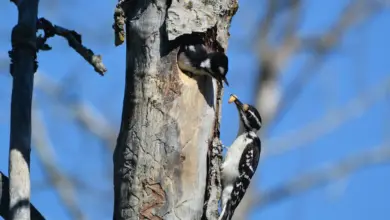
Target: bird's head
{"points": [[219, 65], [249, 116]]}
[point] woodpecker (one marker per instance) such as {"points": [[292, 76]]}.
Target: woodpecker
{"points": [[196, 59], [241, 159]]}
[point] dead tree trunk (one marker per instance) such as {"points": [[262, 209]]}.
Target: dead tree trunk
{"points": [[168, 119], [23, 67]]}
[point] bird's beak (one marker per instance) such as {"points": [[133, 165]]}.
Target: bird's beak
{"points": [[239, 104], [225, 80], [234, 98]]}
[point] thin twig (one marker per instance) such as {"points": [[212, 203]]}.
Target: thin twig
{"points": [[74, 40]]}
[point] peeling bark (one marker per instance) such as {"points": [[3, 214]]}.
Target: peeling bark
{"points": [[160, 159]]}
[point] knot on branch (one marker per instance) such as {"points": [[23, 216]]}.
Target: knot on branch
{"points": [[22, 38]]}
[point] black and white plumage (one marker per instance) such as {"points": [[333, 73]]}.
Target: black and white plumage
{"points": [[241, 160], [196, 59]]}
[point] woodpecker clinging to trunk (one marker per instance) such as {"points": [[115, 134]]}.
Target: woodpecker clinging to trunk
{"points": [[196, 59], [241, 159]]}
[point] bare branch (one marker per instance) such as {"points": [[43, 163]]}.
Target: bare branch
{"points": [[4, 200], [303, 183], [59, 180], [74, 40], [272, 60], [354, 108], [265, 24], [355, 12], [93, 121], [288, 33], [269, 98]]}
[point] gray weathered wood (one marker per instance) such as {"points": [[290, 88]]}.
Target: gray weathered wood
{"points": [[160, 160], [23, 57], [185, 17]]}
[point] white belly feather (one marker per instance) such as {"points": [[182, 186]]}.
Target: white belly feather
{"points": [[230, 165]]}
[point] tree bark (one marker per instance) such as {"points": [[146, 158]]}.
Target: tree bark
{"points": [[168, 119], [23, 66]]}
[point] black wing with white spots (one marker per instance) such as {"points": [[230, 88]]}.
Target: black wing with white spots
{"points": [[248, 165], [197, 53]]}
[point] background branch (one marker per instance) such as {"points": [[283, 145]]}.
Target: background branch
{"points": [[303, 183], [320, 46], [84, 114], [329, 122], [57, 178], [273, 100]]}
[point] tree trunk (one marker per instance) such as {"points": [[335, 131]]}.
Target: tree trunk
{"points": [[23, 66], [168, 119]]}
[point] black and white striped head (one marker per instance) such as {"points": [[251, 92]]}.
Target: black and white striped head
{"points": [[249, 115]]}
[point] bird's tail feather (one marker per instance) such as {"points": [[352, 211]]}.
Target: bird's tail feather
{"points": [[225, 214]]}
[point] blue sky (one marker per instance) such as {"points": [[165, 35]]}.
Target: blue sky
{"points": [[357, 66]]}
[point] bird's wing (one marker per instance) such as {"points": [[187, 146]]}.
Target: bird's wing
{"points": [[196, 53]]}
